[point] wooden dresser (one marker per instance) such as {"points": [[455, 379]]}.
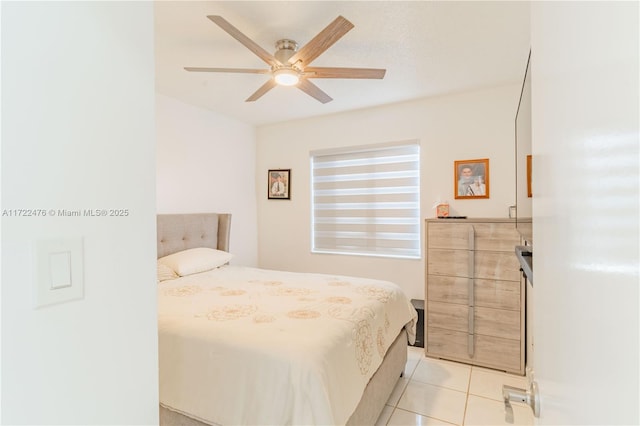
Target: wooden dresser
{"points": [[474, 310]]}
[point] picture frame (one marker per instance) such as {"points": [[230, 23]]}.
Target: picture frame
{"points": [[529, 192], [471, 179], [279, 184]]}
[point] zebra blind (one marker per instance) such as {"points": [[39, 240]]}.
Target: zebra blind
{"points": [[366, 200]]}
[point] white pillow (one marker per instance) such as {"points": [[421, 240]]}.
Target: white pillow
{"points": [[166, 273], [196, 260]]}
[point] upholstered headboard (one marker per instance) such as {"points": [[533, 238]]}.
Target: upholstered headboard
{"points": [[177, 232]]}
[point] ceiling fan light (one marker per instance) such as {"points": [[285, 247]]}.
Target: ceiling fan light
{"points": [[286, 77]]}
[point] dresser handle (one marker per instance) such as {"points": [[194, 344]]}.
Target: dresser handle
{"points": [[471, 325], [470, 344], [472, 245]]}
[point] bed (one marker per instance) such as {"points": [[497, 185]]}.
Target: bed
{"points": [[240, 345]]}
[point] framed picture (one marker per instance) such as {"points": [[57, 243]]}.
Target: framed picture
{"points": [[529, 193], [279, 184], [471, 178]]}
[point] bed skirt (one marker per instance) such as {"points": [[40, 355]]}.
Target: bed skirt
{"points": [[375, 395]]}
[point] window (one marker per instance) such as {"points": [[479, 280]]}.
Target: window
{"points": [[366, 200]]}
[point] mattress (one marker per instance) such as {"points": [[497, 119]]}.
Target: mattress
{"points": [[241, 345]]}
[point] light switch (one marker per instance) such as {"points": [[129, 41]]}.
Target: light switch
{"points": [[59, 271]]}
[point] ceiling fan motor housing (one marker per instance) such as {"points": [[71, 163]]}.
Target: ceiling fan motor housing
{"points": [[285, 49]]}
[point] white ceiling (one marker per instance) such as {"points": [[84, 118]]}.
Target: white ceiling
{"points": [[428, 48]]}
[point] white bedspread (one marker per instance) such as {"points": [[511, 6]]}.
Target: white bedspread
{"points": [[250, 346]]}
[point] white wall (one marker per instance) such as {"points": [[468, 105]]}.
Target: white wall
{"points": [[462, 126], [206, 163], [78, 133], [586, 162]]}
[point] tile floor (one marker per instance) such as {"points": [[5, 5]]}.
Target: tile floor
{"points": [[438, 392]]}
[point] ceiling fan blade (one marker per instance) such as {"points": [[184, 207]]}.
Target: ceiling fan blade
{"points": [[270, 84], [312, 90], [237, 70], [328, 72], [246, 41], [324, 40]]}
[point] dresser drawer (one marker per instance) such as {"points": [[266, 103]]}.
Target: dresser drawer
{"points": [[492, 352], [497, 265], [498, 294], [487, 264], [448, 235], [454, 263], [497, 323], [486, 321], [488, 293], [486, 236], [443, 288], [447, 315]]}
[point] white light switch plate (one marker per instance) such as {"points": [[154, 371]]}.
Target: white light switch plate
{"points": [[59, 271]]}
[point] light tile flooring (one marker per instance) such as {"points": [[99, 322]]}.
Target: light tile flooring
{"points": [[438, 392]]}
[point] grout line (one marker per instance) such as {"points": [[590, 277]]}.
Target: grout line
{"points": [[466, 401]]}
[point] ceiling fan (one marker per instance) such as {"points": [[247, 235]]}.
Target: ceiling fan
{"points": [[289, 66]]}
